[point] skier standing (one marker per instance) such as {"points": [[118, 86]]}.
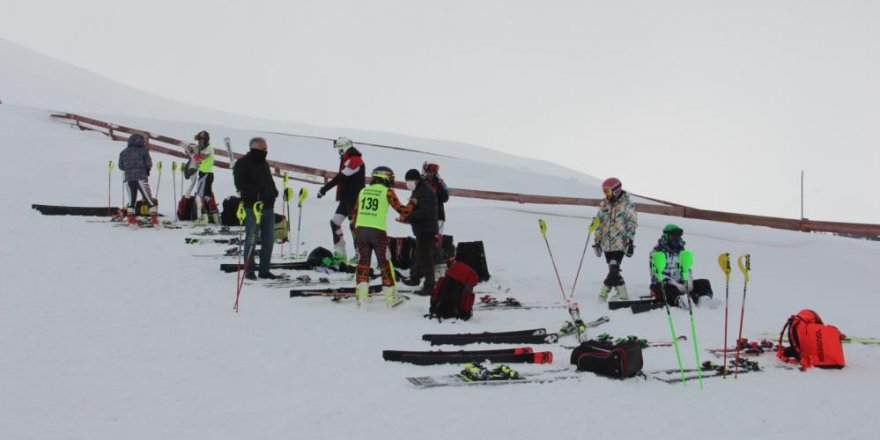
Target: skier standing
{"points": [[135, 160], [204, 160], [253, 180], [615, 235], [672, 244], [425, 226], [348, 182], [370, 218], [431, 173]]}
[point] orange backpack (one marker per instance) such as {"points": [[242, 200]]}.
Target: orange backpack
{"points": [[811, 342]]}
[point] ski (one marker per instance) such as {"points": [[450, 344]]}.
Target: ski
{"points": [[745, 366], [845, 340], [570, 328], [622, 304], [396, 355], [489, 302], [528, 332], [229, 241], [297, 265], [85, 211], [460, 380], [544, 357], [494, 339], [343, 292], [647, 307]]}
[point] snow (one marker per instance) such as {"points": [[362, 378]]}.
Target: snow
{"points": [[107, 333]]}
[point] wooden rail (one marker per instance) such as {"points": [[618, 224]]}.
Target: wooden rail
{"points": [[175, 147]]}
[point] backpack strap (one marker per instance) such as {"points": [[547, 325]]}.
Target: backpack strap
{"points": [[782, 352]]}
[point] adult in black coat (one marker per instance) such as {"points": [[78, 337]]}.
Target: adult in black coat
{"points": [[253, 180], [423, 219]]}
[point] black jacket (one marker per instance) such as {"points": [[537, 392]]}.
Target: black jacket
{"points": [[423, 218], [253, 179], [348, 187]]}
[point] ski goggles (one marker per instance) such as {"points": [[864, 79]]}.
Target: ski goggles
{"points": [[677, 232], [609, 191]]}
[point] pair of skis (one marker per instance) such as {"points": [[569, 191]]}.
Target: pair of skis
{"points": [[745, 266], [573, 309]]}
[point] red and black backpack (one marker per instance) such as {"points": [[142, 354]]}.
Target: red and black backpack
{"points": [[811, 342], [453, 295]]}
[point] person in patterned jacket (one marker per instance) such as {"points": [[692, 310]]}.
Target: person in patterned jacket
{"points": [[615, 234]]}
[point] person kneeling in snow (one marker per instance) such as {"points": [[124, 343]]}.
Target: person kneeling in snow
{"points": [[672, 244]]}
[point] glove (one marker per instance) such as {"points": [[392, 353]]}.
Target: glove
{"points": [[630, 249], [321, 192], [597, 249]]}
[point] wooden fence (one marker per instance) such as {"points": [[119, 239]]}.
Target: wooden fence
{"points": [[176, 147]]}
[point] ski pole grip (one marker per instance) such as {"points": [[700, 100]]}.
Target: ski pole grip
{"points": [[543, 226], [110, 166], [724, 264], [303, 194], [241, 213], [258, 211], [745, 265]]}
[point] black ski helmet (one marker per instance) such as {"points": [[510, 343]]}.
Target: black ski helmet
{"points": [[383, 175], [203, 138]]}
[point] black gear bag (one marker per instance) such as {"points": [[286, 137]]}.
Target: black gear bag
{"points": [[474, 255], [229, 217], [618, 361]]}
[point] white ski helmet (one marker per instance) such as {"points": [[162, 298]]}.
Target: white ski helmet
{"points": [[342, 144]]}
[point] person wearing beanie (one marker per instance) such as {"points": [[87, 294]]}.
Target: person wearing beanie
{"points": [[424, 222], [253, 180], [135, 160]]}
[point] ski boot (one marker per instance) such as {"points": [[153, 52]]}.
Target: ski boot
{"points": [[503, 372], [473, 372], [132, 221], [362, 292], [621, 293], [201, 221], [154, 218], [603, 293], [216, 218], [392, 299]]}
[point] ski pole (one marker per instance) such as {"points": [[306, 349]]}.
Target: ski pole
{"points": [[686, 262], [109, 183], [593, 225], [745, 266], [158, 167], [724, 264], [258, 214], [573, 309], [174, 180], [285, 199], [303, 194], [288, 194], [543, 226], [658, 264]]}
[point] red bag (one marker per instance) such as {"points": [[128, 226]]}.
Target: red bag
{"points": [[811, 342], [453, 295]]}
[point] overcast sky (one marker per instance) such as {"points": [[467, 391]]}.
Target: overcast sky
{"points": [[713, 104]]}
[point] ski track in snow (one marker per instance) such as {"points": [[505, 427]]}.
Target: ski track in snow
{"points": [[107, 333]]}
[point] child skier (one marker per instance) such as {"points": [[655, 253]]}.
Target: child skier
{"points": [[135, 160], [348, 182], [672, 244], [615, 235], [370, 220]]}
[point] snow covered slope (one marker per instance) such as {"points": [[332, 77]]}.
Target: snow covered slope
{"points": [[107, 333]]}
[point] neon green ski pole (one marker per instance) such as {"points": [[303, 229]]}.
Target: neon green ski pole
{"points": [[658, 264], [686, 262]]}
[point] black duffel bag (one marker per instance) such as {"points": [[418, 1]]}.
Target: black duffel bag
{"points": [[618, 361]]}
